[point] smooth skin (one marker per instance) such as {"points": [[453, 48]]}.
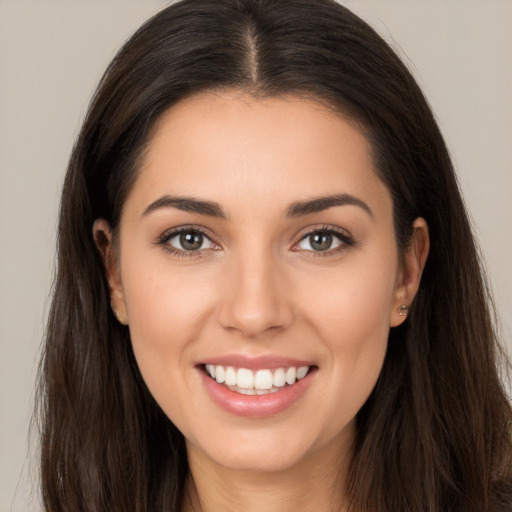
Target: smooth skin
{"points": [[253, 274]]}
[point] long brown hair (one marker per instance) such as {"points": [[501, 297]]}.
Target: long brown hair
{"points": [[435, 434]]}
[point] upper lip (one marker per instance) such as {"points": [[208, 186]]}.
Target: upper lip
{"points": [[269, 361]]}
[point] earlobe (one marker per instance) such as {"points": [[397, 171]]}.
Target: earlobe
{"points": [[409, 277], [102, 234]]}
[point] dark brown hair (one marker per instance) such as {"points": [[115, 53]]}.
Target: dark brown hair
{"points": [[435, 434]]}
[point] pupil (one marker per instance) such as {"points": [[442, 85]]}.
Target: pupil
{"points": [[321, 241], [191, 241]]}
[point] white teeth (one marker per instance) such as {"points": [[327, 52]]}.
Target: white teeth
{"points": [[260, 382], [245, 391], [291, 375], [302, 372], [219, 374], [279, 378], [263, 379], [230, 376], [245, 378]]}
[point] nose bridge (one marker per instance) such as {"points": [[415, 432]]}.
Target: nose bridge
{"points": [[255, 300]]}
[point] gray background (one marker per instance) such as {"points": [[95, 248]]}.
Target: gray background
{"points": [[52, 54]]}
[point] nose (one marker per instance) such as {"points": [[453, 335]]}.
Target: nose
{"points": [[256, 297]]}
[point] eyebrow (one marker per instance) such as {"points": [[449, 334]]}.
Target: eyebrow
{"points": [[187, 204], [297, 209], [318, 204]]}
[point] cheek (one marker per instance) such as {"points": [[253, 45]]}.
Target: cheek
{"points": [[165, 320], [164, 301], [167, 309], [351, 317], [354, 302]]}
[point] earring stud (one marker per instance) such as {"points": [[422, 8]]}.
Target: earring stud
{"points": [[403, 310], [122, 321]]}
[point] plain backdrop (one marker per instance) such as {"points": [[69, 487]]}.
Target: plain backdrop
{"points": [[52, 53]]}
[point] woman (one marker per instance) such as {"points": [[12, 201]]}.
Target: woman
{"points": [[268, 294]]}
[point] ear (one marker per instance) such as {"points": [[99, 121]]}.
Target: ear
{"points": [[103, 238], [409, 275]]}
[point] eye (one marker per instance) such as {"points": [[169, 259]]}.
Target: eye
{"points": [[319, 241], [186, 240], [323, 240]]}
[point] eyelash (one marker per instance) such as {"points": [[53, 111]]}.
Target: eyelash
{"points": [[163, 240], [345, 239]]}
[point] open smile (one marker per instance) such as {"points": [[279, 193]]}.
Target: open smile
{"points": [[258, 391], [256, 382]]}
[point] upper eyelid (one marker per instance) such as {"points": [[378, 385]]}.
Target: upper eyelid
{"points": [[324, 228], [170, 233], [163, 240], [304, 232], [346, 239]]}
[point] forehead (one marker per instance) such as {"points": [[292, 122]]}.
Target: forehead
{"points": [[229, 146]]}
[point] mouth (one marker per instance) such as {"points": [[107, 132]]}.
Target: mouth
{"points": [[259, 382], [257, 386]]}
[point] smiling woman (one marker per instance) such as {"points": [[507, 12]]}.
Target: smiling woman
{"points": [[268, 294], [280, 290]]}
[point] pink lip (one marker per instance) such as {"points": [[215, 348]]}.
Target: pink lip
{"points": [[255, 362], [256, 406]]}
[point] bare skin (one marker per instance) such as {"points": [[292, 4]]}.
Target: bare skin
{"points": [[225, 250], [314, 481]]}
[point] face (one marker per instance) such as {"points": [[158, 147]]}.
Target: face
{"points": [[258, 271]]}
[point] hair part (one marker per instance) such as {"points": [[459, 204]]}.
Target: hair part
{"points": [[435, 433]]}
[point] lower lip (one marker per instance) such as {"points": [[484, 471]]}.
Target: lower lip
{"points": [[256, 406]]}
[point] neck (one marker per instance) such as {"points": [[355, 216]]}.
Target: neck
{"points": [[316, 484]]}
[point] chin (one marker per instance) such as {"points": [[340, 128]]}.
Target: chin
{"points": [[256, 453]]}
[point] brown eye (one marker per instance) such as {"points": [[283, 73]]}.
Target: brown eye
{"points": [[189, 241], [322, 241]]}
